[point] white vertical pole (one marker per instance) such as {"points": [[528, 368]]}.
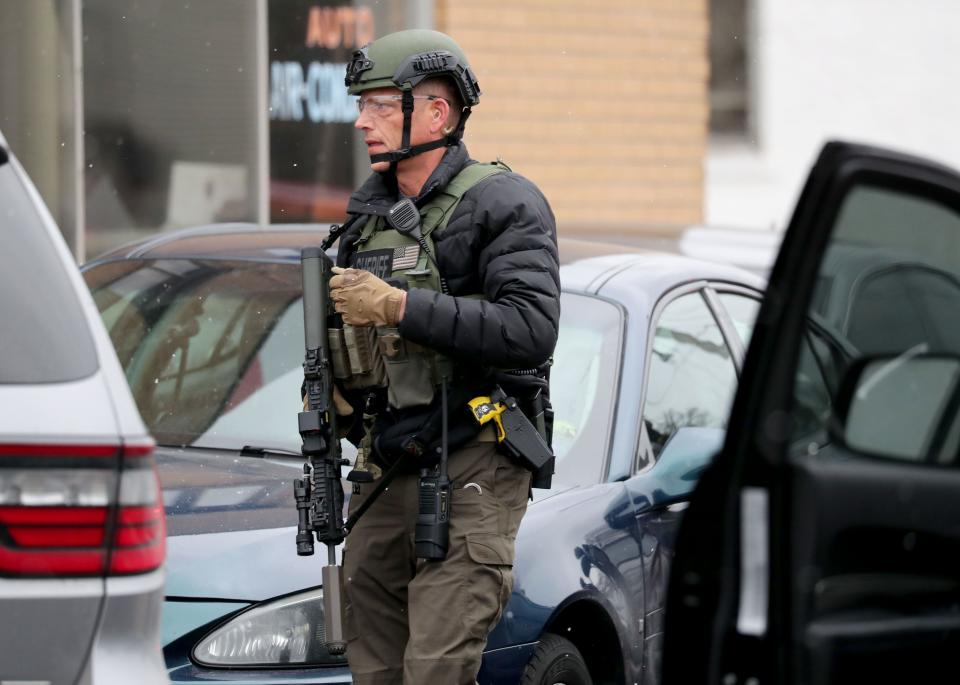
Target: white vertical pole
{"points": [[420, 14], [263, 115], [79, 150]]}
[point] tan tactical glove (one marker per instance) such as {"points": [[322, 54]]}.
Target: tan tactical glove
{"points": [[365, 300], [340, 404]]}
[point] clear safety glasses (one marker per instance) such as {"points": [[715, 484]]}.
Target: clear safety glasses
{"points": [[385, 105]]}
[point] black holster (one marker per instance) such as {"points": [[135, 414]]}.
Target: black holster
{"points": [[542, 414], [523, 440]]}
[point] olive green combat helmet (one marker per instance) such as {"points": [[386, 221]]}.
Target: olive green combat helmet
{"points": [[404, 59]]}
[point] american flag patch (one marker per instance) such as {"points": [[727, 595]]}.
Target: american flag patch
{"points": [[405, 257]]}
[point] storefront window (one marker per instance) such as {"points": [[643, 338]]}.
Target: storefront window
{"points": [[170, 103], [313, 147], [138, 117]]}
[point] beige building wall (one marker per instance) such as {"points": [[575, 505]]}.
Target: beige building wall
{"points": [[603, 104]]}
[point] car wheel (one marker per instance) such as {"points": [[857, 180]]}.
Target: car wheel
{"points": [[556, 661]]}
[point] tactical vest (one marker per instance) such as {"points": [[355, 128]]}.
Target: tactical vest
{"points": [[365, 357]]}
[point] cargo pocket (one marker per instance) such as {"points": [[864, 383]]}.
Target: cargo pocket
{"points": [[409, 374], [488, 583]]}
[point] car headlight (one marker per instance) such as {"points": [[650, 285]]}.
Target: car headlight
{"points": [[287, 631]]}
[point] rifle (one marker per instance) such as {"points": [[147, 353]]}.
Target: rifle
{"points": [[319, 494]]}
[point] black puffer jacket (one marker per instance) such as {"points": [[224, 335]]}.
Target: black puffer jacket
{"points": [[500, 243]]}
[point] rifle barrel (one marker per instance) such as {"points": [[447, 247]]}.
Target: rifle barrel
{"points": [[315, 277]]}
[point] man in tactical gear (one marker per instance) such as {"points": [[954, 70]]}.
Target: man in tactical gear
{"points": [[462, 293]]}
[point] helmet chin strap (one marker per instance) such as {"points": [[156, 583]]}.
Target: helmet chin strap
{"points": [[405, 151]]}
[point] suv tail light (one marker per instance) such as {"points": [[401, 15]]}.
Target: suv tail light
{"points": [[80, 510]]}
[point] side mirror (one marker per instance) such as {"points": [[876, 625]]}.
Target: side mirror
{"points": [[902, 407], [683, 458]]}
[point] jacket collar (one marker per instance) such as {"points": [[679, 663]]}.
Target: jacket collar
{"points": [[379, 192]]}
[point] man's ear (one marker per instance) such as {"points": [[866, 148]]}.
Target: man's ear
{"points": [[439, 115]]}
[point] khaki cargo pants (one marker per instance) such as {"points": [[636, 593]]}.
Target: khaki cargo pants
{"points": [[415, 622]]}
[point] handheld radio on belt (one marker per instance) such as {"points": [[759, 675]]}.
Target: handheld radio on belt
{"points": [[432, 532]]}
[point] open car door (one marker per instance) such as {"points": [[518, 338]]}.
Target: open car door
{"points": [[823, 544]]}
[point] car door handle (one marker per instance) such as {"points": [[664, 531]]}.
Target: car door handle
{"points": [[678, 506]]}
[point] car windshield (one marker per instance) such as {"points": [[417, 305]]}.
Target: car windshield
{"points": [[212, 350], [583, 387]]}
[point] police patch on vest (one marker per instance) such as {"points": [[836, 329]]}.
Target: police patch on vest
{"points": [[382, 263], [377, 262]]}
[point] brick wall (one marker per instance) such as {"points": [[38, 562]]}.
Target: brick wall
{"points": [[603, 104]]}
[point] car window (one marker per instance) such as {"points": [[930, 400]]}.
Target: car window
{"points": [[888, 289], [583, 387], [743, 312], [212, 349], [52, 341], [213, 352], [812, 394], [691, 377]]}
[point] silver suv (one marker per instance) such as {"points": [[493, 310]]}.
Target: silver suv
{"points": [[81, 518]]}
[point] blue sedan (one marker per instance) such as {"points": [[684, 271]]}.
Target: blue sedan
{"points": [[208, 326]]}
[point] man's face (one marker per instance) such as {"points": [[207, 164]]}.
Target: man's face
{"points": [[381, 122]]}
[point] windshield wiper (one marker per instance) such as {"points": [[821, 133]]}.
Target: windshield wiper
{"points": [[245, 451], [255, 451]]}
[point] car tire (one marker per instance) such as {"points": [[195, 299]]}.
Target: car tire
{"points": [[556, 661]]}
